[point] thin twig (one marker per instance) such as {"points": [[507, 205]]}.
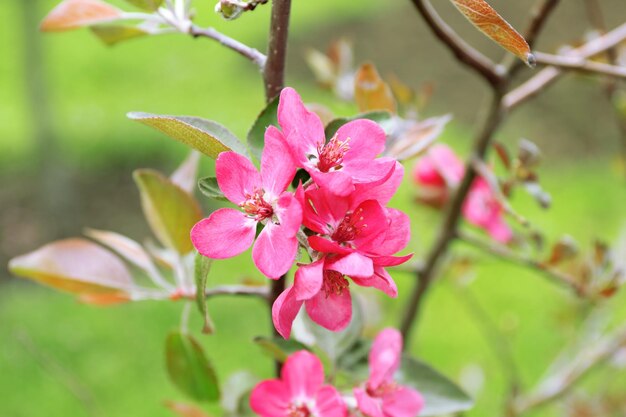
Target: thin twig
{"points": [[261, 291], [580, 64], [252, 54], [465, 53], [504, 253], [547, 76], [557, 384], [448, 230]]}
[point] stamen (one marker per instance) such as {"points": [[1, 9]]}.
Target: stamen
{"points": [[331, 154], [300, 410], [256, 207], [382, 390], [350, 227], [334, 283]]}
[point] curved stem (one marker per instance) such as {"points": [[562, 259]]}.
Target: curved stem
{"points": [[252, 54]]}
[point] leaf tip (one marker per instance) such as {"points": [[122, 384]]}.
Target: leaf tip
{"points": [[531, 61]]}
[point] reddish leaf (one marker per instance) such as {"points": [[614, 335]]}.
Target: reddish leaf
{"points": [[489, 22], [185, 410], [77, 266], [72, 14], [186, 175], [371, 92]]}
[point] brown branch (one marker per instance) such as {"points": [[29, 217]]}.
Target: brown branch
{"points": [[504, 253], [549, 75], [463, 52], [274, 74], [252, 54], [557, 384], [580, 64], [448, 229]]}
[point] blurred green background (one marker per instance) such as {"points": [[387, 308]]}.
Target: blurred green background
{"points": [[67, 153]]}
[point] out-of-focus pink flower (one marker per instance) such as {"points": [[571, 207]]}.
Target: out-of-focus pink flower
{"points": [[483, 209], [354, 238], [346, 159], [436, 174], [262, 199], [381, 396], [300, 391]]}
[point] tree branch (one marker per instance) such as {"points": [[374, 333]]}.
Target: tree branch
{"points": [[274, 74], [549, 75], [252, 54], [580, 64], [448, 229], [463, 52], [504, 253], [261, 291]]}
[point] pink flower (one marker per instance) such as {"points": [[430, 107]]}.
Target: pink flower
{"points": [[437, 173], [300, 391], [355, 239], [346, 159], [262, 199], [483, 209], [381, 396]]}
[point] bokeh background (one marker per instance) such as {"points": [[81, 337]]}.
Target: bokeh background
{"points": [[67, 152]]}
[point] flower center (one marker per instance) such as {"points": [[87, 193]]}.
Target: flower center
{"points": [[350, 227], [256, 207], [334, 283], [330, 155], [299, 410], [382, 390]]}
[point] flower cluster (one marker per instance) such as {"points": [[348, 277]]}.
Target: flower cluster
{"points": [[301, 391], [441, 171], [339, 216]]}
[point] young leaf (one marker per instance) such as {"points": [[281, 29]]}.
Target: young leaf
{"points": [[75, 265], [72, 14], [208, 186], [376, 116], [415, 138], [206, 136], [441, 396], [170, 211], [489, 22], [256, 135], [278, 348], [113, 34], [371, 92], [150, 5], [202, 269], [189, 369], [185, 175], [124, 246]]}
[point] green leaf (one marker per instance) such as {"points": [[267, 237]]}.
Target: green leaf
{"points": [[256, 135], [441, 396], [170, 211], [150, 5], [208, 186], [113, 34], [189, 369], [278, 348], [76, 266], [335, 344], [202, 269], [376, 116], [206, 136]]}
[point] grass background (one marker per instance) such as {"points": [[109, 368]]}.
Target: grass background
{"points": [[65, 359]]}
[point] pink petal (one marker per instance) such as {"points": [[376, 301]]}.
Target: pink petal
{"points": [[224, 234], [352, 265], [373, 223], [275, 250], [370, 407], [289, 213], [236, 176], [396, 236], [308, 280], [380, 280], [303, 374], [499, 230], [366, 139], [284, 312], [426, 173], [384, 358], [391, 260], [329, 403], [320, 244], [303, 130], [277, 166], [381, 192], [449, 166], [270, 399], [322, 208], [372, 172], [332, 311], [403, 402], [337, 182]]}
